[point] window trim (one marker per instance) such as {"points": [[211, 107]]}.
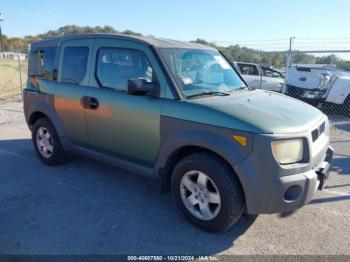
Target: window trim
{"points": [[171, 83], [87, 63], [119, 48]]}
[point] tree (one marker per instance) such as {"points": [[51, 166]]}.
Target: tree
{"points": [[129, 32], [331, 59], [233, 52], [21, 44]]}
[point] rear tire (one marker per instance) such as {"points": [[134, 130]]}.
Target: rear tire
{"points": [[216, 206], [46, 143]]}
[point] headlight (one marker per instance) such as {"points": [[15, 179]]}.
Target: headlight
{"points": [[325, 79], [288, 151]]}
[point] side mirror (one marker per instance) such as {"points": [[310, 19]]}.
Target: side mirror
{"points": [[142, 87]]}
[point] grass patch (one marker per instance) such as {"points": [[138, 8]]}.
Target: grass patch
{"points": [[10, 85]]}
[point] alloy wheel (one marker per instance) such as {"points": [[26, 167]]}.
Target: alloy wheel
{"points": [[200, 195], [44, 142]]}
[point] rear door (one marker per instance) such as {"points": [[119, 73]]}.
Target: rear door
{"points": [[250, 74], [73, 77]]}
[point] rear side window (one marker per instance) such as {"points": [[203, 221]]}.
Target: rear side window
{"points": [[42, 63], [116, 66], [74, 66]]}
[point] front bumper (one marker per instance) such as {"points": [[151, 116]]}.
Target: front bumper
{"points": [[305, 94], [271, 188], [294, 191]]}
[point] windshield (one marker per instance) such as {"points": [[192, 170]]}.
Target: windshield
{"points": [[201, 71]]}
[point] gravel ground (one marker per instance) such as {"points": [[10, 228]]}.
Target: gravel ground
{"points": [[86, 207]]}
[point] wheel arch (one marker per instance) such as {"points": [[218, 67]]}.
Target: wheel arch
{"points": [[37, 105], [166, 171], [35, 116]]}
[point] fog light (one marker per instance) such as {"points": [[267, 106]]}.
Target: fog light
{"points": [[293, 193]]}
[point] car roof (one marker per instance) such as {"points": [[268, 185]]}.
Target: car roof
{"points": [[151, 41]]}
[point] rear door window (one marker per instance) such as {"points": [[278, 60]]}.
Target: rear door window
{"points": [[74, 65]]}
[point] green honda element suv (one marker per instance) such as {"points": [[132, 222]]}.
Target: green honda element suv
{"points": [[180, 113]]}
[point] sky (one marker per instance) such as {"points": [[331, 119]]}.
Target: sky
{"points": [[216, 20]]}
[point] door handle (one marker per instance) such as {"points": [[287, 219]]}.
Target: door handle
{"points": [[94, 104], [89, 102]]}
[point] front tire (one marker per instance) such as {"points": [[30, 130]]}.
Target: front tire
{"points": [[208, 192], [46, 143]]}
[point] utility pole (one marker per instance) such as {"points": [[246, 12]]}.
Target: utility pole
{"points": [[1, 19], [289, 60]]}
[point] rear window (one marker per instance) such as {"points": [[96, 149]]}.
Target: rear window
{"points": [[42, 63], [74, 66]]}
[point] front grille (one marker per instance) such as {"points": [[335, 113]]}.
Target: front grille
{"points": [[316, 133]]}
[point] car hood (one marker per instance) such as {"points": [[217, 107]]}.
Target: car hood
{"points": [[268, 112]]}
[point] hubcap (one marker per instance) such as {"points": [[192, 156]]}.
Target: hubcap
{"points": [[200, 195], [44, 142]]}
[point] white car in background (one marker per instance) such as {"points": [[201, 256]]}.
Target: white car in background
{"points": [[261, 77], [319, 84]]}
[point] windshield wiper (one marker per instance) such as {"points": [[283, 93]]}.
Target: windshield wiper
{"points": [[209, 93]]}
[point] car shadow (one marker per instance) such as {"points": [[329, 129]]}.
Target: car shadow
{"points": [[329, 199], [344, 126], [341, 166], [87, 207], [337, 186]]}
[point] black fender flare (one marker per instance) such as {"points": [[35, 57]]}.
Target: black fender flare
{"points": [[36, 102], [221, 144]]}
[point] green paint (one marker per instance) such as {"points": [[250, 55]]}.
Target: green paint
{"points": [[129, 125]]}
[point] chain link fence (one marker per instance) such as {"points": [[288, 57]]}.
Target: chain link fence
{"points": [[13, 76], [315, 71], [322, 77]]}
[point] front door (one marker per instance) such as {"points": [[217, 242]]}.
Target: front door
{"points": [[73, 77], [123, 125]]}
